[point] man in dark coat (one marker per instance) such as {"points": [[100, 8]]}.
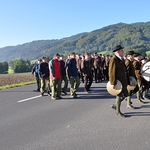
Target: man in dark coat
{"points": [[73, 75], [130, 70], [63, 75], [44, 76], [118, 71], [140, 81], [35, 72], [87, 72]]}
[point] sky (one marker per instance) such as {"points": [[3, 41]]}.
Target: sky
{"points": [[23, 21]]}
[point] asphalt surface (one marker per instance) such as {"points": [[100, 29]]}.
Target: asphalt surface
{"points": [[31, 122]]}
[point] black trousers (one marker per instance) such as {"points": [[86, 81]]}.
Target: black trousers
{"points": [[88, 79]]}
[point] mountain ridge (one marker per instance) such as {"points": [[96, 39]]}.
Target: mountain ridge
{"points": [[134, 36]]}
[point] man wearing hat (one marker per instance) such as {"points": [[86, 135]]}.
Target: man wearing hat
{"points": [[130, 70], [118, 71], [137, 68]]}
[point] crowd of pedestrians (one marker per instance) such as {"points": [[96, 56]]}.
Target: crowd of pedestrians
{"points": [[54, 76]]}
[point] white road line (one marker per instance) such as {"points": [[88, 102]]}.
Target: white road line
{"points": [[27, 99]]}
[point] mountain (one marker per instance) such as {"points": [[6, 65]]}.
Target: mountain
{"points": [[135, 36]]}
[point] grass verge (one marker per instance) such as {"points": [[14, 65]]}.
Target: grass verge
{"points": [[16, 85]]}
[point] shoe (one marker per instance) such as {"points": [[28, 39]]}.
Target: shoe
{"points": [[121, 115], [147, 97], [142, 97], [65, 93], [86, 91], [113, 107], [75, 95], [49, 94], [38, 90], [42, 94], [140, 101], [72, 96], [130, 106], [59, 97], [53, 98]]}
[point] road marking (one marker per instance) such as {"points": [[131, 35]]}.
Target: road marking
{"points": [[27, 99]]}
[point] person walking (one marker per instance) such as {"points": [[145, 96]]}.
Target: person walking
{"points": [[44, 76], [87, 72], [118, 71], [35, 72], [73, 75], [55, 77], [63, 75], [130, 70], [140, 86]]}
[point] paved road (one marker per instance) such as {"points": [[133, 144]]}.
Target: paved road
{"points": [[31, 122]]}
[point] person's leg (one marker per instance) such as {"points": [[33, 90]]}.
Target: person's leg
{"points": [[38, 81], [64, 89], [72, 81], [58, 88], [53, 84], [42, 89]]}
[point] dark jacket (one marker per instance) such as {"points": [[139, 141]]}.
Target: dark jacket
{"points": [[137, 69], [44, 70], [130, 68], [63, 68], [118, 71], [86, 67], [72, 67], [35, 69]]}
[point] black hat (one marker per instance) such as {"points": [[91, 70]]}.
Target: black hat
{"points": [[118, 47], [137, 54], [130, 53]]}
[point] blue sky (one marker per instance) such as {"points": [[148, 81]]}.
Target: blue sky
{"points": [[24, 21]]}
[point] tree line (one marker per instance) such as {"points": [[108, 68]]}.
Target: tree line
{"points": [[17, 66]]}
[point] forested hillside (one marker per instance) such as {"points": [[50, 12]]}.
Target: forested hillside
{"points": [[134, 36]]}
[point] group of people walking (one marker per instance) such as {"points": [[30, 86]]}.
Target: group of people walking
{"points": [[53, 76], [121, 69]]}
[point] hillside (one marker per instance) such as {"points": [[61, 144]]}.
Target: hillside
{"points": [[134, 36]]}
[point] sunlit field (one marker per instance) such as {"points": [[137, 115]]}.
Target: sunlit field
{"points": [[8, 79]]}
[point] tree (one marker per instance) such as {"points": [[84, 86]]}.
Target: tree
{"points": [[20, 65], [4, 67]]}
